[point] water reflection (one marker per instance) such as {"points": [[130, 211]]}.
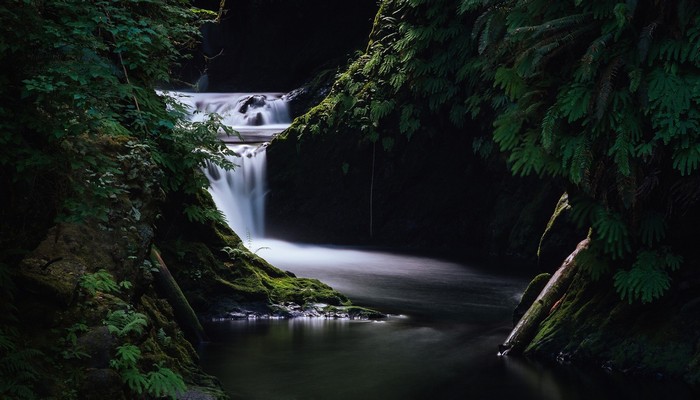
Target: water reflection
{"points": [[443, 348]]}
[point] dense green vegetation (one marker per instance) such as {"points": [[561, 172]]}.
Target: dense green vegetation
{"points": [[81, 126], [77, 74], [93, 160], [602, 95]]}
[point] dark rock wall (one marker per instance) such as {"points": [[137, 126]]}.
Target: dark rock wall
{"points": [[428, 194], [276, 45]]}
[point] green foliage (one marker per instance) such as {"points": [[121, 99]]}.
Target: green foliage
{"points": [[122, 323], [603, 94], [18, 363], [600, 95], [647, 279], [163, 337], [71, 350], [127, 356], [235, 253], [196, 213], [160, 382], [163, 382], [83, 75], [100, 281], [18, 373]]}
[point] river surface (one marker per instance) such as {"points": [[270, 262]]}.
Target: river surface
{"points": [[440, 341]]}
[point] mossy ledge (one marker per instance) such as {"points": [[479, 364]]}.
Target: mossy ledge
{"points": [[220, 276]]}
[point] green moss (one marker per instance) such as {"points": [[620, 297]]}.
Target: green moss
{"points": [[591, 325], [302, 291], [530, 294]]}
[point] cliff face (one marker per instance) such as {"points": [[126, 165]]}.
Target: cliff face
{"points": [[421, 195]]}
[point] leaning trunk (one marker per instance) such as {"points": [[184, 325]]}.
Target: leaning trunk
{"points": [[555, 289]]}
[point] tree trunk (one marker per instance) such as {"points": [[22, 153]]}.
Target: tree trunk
{"points": [[526, 329], [184, 314]]}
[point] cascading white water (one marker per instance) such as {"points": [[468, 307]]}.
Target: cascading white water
{"points": [[240, 193], [256, 116]]}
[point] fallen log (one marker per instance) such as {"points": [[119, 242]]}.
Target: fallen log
{"points": [[526, 329], [184, 314]]}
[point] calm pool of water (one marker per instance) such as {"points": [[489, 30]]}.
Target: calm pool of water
{"points": [[439, 343]]}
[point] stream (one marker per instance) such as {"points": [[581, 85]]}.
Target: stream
{"points": [[439, 343], [446, 319]]}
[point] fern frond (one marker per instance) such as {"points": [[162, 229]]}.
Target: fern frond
{"points": [[549, 27], [506, 132], [652, 228], [164, 382], [574, 102], [548, 125], [606, 85], [528, 157], [134, 379], [589, 61], [644, 282], [687, 160], [612, 231], [510, 81]]}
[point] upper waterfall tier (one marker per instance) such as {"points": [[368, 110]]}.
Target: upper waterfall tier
{"points": [[258, 117]]}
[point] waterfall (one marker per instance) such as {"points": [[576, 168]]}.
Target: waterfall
{"points": [[240, 193], [258, 117]]}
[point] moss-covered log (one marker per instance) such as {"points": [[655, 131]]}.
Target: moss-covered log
{"points": [[526, 329]]}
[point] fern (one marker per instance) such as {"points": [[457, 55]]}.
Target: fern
{"points": [[511, 83], [592, 262], [164, 382], [380, 109], [646, 280], [203, 215], [612, 231], [687, 160], [548, 127], [507, 127], [122, 323], [100, 281], [134, 379], [652, 228], [127, 356], [574, 102]]}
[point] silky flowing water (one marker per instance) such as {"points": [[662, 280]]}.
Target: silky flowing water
{"points": [[439, 343], [446, 319]]}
